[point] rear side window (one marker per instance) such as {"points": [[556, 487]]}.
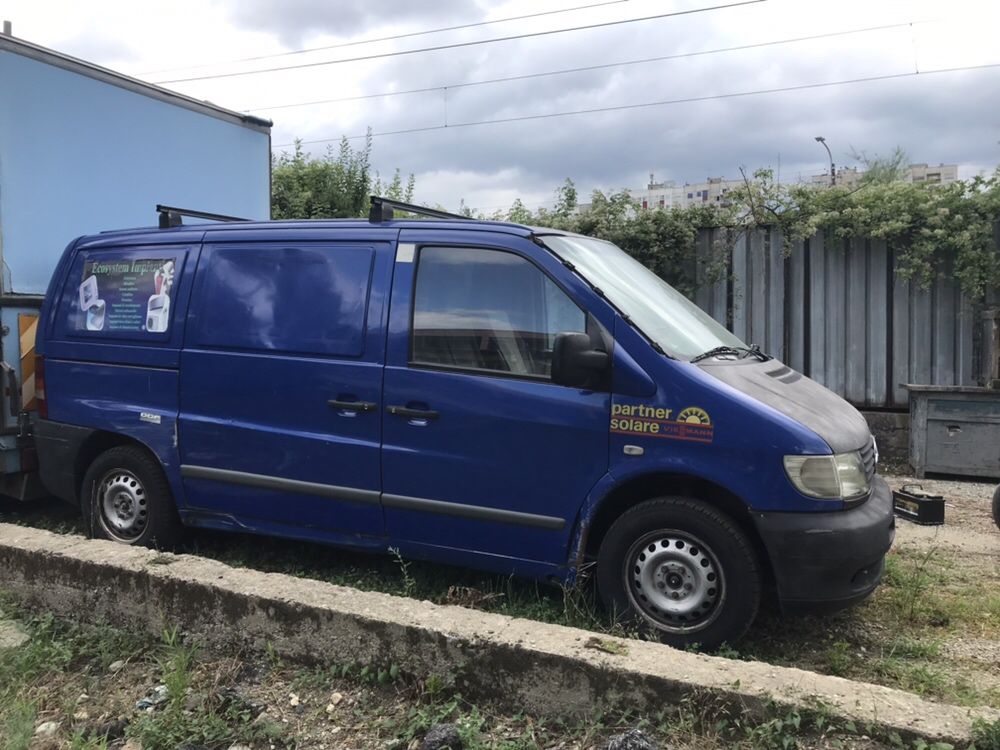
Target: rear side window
{"points": [[488, 310], [301, 299], [123, 293]]}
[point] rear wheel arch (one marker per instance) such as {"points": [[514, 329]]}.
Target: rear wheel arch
{"points": [[646, 486], [96, 444]]}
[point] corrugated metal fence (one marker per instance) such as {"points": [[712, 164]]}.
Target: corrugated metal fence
{"points": [[837, 311]]}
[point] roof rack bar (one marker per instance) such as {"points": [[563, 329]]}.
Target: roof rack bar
{"points": [[170, 216], [382, 208]]}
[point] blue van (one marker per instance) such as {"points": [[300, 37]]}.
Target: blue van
{"points": [[485, 394]]}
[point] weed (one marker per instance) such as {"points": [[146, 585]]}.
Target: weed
{"points": [[728, 652], [780, 733], [421, 718], [910, 582], [839, 658], [905, 647], [409, 582], [606, 645], [435, 686], [219, 721], [986, 735], [18, 726], [176, 664], [273, 657]]}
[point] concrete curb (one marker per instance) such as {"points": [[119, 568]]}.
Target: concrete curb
{"points": [[546, 669]]}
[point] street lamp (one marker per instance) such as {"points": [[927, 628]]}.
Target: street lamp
{"points": [[833, 171]]}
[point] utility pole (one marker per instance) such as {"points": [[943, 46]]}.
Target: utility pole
{"points": [[833, 170]]}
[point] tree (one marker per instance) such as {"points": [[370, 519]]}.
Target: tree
{"points": [[335, 185], [880, 170], [566, 199]]}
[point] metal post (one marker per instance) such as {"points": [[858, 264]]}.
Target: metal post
{"points": [[8, 29], [833, 169]]}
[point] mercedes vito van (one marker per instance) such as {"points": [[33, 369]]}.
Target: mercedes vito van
{"points": [[485, 394]]}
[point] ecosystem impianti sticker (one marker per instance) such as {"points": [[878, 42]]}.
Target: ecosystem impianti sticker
{"points": [[126, 295]]}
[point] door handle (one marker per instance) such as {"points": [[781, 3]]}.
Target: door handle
{"points": [[351, 405], [403, 411]]}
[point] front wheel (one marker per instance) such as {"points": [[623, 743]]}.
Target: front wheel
{"points": [[683, 569], [126, 498]]}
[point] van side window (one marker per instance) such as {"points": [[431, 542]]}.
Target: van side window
{"points": [[122, 293], [301, 299], [487, 310]]}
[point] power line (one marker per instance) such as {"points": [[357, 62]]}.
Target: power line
{"points": [[394, 37], [603, 66], [456, 45], [642, 105]]}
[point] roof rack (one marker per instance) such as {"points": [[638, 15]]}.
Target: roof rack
{"points": [[382, 210], [170, 216]]}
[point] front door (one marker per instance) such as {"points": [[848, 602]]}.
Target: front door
{"points": [[280, 387], [482, 453]]}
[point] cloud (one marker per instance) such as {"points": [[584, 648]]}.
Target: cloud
{"points": [[294, 21], [110, 49], [936, 118]]}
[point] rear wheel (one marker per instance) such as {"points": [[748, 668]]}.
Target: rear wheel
{"points": [[682, 569], [126, 498]]}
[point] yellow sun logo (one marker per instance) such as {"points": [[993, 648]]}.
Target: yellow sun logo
{"points": [[694, 415]]}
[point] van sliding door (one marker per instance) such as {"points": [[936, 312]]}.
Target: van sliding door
{"points": [[280, 391]]}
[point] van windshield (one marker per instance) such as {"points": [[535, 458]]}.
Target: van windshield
{"points": [[665, 315]]}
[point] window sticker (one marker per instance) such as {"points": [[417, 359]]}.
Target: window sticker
{"points": [[126, 295]]}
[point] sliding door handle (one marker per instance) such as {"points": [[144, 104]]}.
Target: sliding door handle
{"points": [[407, 413], [351, 405]]}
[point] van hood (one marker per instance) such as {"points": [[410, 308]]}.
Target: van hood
{"points": [[796, 396]]}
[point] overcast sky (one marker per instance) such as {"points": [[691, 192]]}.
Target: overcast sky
{"points": [[945, 117]]}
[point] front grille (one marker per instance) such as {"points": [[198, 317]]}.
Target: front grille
{"points": [[868, 458]]}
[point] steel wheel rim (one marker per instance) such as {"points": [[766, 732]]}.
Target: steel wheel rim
{"points": [[123, 505], [674, 581]]}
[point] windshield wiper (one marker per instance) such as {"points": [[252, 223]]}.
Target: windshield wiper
{"points": [[746, 351]]}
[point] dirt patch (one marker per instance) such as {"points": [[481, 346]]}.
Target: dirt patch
{"points": [[63, 692], [969, 530]]}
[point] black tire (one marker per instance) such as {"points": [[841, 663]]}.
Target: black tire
{"points": [[682, 569], [125, 497], [996, 507]]}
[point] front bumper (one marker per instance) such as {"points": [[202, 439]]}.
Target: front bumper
{"points": [[828, 561]]}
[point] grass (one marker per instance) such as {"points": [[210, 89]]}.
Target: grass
{"points": [[214, 701], [56, 654], [896, 638], [61, 661], [192, 718], [986, 735]]}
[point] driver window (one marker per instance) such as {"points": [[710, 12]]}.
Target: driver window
{"points": [[488, 310]]}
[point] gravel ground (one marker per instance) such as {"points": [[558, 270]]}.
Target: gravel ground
{"points": [[968, 530]]}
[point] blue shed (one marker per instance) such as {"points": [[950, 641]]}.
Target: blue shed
{"points": [[84, 149]]}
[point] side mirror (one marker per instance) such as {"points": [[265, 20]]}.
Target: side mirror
{"points": [[576, 363]]}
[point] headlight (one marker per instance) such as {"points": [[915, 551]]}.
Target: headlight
{"points": [[838, 477]]}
